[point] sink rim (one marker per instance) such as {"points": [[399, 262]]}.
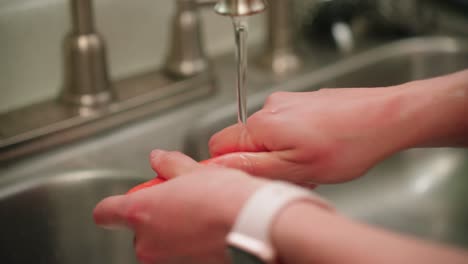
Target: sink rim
{"points": [[11, 186]]}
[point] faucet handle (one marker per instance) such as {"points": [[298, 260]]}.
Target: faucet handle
{"points": [[240, 7], [186, 55], [280, 55], [86, 80]]}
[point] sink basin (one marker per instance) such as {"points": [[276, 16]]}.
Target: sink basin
{"points": [[422, 192], [46, 201], [48, 219]]}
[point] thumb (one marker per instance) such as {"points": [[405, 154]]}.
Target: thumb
{"points": [[234, 139], [111, 212], [263, 164]]}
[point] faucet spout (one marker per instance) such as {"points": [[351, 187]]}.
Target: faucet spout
{"points": [[240, 7]]}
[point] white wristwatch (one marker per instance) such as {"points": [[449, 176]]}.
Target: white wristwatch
{"points": [[249, 241]]}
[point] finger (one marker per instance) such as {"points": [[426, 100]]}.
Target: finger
{"points": [[234, 138], [280, 98], [246, 164], [264, 164], [171, 164], [111, 212]]}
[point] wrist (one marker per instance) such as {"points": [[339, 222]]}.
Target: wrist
{"points": [[252, 231], [390, 126], [434, 112], [228, 202], [297, 229]]}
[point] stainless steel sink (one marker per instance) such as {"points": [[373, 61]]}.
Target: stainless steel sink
{"points": [[423, 192], [48, 219], [46, 201]]}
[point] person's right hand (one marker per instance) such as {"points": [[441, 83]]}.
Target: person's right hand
{"points": [[328, 136]]}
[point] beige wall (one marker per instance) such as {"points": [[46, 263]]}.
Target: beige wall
{"points": [[136, 32]]}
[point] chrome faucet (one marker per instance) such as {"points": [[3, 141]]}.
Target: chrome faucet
{"points": [[237, 10], [90, 102], [239, 7], [187, 57], [280, 56]]}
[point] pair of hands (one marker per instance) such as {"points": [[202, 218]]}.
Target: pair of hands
{"points": [[315, 137], [184, 220]]}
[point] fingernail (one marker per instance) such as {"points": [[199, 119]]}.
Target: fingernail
{"points": [[154, 153]]}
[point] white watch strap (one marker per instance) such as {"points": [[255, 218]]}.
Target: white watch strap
{"points": [[251, 231]]}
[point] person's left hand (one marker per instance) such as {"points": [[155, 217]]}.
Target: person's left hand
{"points": [[186, 219]]}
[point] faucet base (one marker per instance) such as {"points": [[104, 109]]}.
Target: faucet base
{"points": [[51, 123]]}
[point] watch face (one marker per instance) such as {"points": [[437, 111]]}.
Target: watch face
{"points": [[239, 256]]}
